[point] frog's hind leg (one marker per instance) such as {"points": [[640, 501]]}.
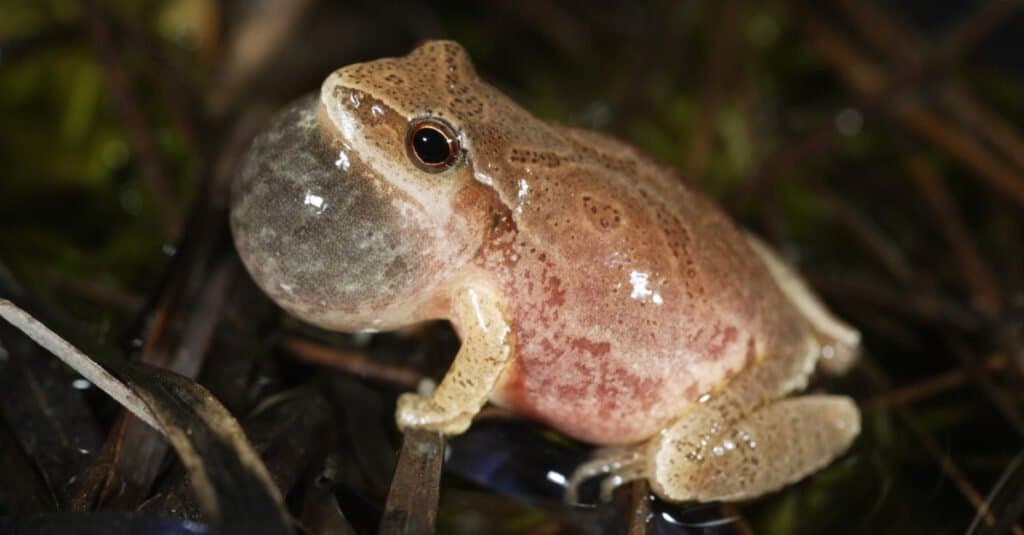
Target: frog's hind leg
{"points": [[774, 445], [745, 439], [839, 341]]}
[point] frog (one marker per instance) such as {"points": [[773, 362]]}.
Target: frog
{"points": [[592, 289]]}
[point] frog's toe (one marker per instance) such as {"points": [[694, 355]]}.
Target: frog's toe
{"points": [[619, 465], [415, 411]]}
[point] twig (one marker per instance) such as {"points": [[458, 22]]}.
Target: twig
{"points": [[986, 295], [1006, 495], [949, 468], [868, 80], [415, 488], [888, 36], [639, 508], [78, 361], [1003, 403], [875, 241], [258, 40], [352, 362], [97, 292], [139, 133], [930, 387], [720, 66]]}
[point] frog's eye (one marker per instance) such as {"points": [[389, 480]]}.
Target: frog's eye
{"points": [[432, 145]]}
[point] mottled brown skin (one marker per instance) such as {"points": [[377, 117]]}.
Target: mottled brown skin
{"points": [[620, 296]]}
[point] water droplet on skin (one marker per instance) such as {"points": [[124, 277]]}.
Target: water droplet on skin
{"points": [[827, 352], [377, 111], [342, 162], [355, 99], [426, 387], [718, 451], [729, 445], [704, 398], [639, 281], [316, 201], [483, 178]]}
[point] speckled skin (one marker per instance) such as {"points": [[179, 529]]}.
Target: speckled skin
{"points": [[627, 295]]}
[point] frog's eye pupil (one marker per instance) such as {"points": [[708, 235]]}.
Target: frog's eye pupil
{"points": [[432, 145]]}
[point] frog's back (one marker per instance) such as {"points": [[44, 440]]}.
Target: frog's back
{"points": [[630, 294]]}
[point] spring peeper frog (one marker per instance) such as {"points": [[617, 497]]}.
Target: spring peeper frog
{"points": [[591, 288]]}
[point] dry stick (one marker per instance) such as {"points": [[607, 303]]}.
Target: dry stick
{"points": [[882, 382], [888, 36], [999, 133], [722, 62], [931, 386], [78, 361], [97, 292], [639, 508], [866, 78], [1006, 495], [166, 392], [415, 488], [352, 362], [175, 345], [1004, 403], [139, 133], [932, 309], [976, 28], [873, 238], [182, 323], [985, 292], [258, 39]]}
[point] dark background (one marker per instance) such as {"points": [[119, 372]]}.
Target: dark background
{"points": [[878, 144]]}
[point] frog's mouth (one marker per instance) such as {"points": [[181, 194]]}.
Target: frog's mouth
{"points": [[315, 228]]}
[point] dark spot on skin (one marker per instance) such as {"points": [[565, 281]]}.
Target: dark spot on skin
{"points": [[596, 349], [720, 340], [751, 356]]}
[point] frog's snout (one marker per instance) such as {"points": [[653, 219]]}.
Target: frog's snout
{"points": [[314, 228]]}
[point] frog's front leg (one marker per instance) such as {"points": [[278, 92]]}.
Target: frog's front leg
{"points": [[484, 354]]}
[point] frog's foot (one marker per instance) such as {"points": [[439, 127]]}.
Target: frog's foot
{"points": [[619, 464], [424, 413], [840, 342], [773, 446]]}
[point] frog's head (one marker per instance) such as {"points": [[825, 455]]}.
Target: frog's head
{"points": [[350, 209]]}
